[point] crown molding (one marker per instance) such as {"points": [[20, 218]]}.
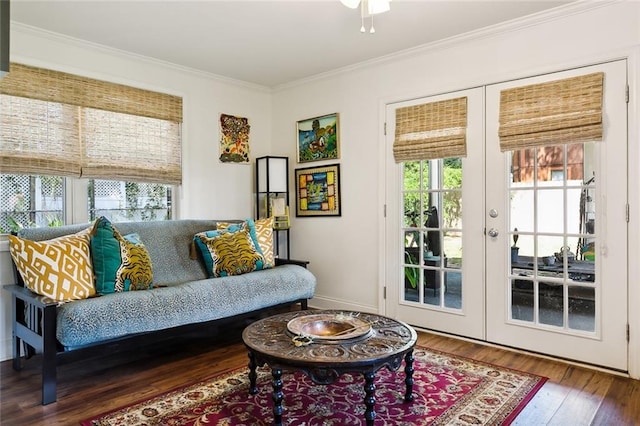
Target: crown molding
{"points": [[20, 28], [575, 8]]}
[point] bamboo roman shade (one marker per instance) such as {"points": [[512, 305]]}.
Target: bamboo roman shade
{"points": [[38, 137], [126, 147], [70, 89], [63, 124], [557, 112], [432, 130]]}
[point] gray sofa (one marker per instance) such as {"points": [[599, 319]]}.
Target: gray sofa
{"points": [[183, 297]]}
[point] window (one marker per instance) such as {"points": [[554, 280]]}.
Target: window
{"points": [[35, 201], [128, 201], [27, 201]]}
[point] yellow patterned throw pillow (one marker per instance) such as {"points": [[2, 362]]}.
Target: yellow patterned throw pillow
{"points": [[264, 233], [59, 268], [230, 252], [264, 236]]}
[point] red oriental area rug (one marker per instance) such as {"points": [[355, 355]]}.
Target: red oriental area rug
{"points": [[447, 390]]}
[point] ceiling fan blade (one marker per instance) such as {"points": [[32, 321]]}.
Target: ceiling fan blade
{"points": [[351, 4], [378, 6]]}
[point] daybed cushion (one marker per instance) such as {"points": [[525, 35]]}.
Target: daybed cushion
{"points": [[59, 268], [83, 322]]}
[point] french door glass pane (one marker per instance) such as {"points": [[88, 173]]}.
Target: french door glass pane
{"points": [[582, 309], [551, 303], [432, 221], [552, 216], [522, 300]]}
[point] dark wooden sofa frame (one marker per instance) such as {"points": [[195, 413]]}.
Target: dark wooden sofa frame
{"points": [[33, 319]]}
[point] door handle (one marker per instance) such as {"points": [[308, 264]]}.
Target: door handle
{"points": [[493, 232]]}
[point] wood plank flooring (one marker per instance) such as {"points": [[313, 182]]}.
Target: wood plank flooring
{"points": [[572, 396]]}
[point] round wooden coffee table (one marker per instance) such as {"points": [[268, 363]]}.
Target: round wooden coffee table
{"points": [[329, 344]]}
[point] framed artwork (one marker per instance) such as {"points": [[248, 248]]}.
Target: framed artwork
{"points": [[318, 191], [318, 138], [234, 139]]}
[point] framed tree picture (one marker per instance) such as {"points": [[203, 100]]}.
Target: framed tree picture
{"points": [[318, 191], [318, 138]]}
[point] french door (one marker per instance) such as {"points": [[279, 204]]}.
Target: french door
{"points": [[564, 290], [530, 245], [434, 233]]}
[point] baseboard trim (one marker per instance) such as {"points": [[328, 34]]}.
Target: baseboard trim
{"points": [[6, 351]]}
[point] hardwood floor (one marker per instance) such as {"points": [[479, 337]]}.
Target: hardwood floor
{"points": [[572, 395]]}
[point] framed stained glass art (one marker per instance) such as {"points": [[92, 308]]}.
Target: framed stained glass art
{"points": [[318, 191]]}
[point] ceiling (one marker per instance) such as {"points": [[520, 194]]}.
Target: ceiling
{"points": [[267, 43]]}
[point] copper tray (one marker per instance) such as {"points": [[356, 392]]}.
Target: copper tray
{"points": [[329, 326]]}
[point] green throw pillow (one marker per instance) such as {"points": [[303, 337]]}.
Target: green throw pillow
{"points": [[120, 263]]}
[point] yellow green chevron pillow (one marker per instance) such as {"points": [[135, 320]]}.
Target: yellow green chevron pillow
{"points": [[264, 236], [231, 252], [59, 268]]}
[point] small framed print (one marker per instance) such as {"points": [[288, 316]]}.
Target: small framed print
{"points": [[318, 138], [318, 191]]}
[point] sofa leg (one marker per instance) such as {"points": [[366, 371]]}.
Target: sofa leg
{"points": [[304, 305], [15, 341], [48, 381], [17, 361], [49, 350]]}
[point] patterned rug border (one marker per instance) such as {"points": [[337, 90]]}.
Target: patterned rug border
{"points": [[231, 371], [541, 380]]}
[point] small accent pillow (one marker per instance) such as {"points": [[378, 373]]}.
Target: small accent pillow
{"points": [[264, 233], [229, 252], [59, 268], [121, 263], [264, 236]]}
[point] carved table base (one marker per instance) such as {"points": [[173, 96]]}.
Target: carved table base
{"points": [[325, 360]]}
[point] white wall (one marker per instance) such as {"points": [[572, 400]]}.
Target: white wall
{"points": [[210, 189], [345, 252]]}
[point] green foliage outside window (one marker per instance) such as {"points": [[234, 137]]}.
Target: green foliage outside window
{"points": [[415, 189]]}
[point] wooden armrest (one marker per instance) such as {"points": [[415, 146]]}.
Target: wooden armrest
{"points": [[27, 295], [302, 263]]}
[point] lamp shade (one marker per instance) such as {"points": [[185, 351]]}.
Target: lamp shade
{"points": [[272, 174]]}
